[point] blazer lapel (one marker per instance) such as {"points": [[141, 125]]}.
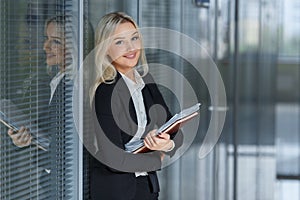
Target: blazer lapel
{"points": [[128, 119], [150, 112], [123, 96]]}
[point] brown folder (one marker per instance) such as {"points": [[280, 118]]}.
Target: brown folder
{"points": [[173, 128]]}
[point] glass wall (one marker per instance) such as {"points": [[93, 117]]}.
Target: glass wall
{"points": [[255, 46], [38, 58], [287, 105], [256, 49]]}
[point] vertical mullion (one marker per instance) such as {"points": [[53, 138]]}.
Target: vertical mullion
{"points": [[80, 125], [235, 99]]}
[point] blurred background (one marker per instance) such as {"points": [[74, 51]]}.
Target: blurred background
{"points": [[256, 47]]}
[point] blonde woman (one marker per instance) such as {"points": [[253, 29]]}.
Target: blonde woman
{"points": [[128, 106]]}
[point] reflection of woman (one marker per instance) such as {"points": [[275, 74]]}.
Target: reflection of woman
{"points": [[51, 106], [55, 49], [118, 52]]}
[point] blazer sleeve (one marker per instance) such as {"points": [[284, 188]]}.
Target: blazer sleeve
{"points": [[110, 137]]}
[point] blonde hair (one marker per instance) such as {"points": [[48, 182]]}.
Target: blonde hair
{"points": [[105, 72]]}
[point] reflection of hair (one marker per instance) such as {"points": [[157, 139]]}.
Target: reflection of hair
{"points": [[105, 71], [65, 26], [58, 19]]}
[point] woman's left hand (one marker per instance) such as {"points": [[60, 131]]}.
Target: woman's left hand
{"points": [[160, 142]]}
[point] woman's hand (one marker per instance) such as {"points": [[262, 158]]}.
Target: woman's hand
{"points": [[161, 142], [22, 138]]}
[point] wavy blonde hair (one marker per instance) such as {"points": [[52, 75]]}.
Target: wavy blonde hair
{"points": [[105, 72]]}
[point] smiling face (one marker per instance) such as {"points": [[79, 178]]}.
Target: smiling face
{"points": [[54, 45], [125, 48]]}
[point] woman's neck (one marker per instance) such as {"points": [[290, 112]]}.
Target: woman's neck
{"points": [[129, 74]]}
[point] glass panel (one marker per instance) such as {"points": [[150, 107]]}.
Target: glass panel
{"points": [[257, 54], [31, 57], [288, 106], [289, 189], [255, 92], [288, 141]]}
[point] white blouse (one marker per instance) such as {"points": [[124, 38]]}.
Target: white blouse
{"points": [[135, 89], [54, 83]]}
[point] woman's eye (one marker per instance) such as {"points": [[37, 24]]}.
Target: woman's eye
{"points": [[135, 38], [57, 42], [119, 42]]}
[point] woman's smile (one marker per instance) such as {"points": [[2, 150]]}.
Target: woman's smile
{"points": [[130, 55]]}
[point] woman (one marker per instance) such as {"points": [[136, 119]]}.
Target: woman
{"points": [[125, 100]]}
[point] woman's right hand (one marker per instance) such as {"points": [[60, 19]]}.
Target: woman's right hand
{"points": [[22, 138]]}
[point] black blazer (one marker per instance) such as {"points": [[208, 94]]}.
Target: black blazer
{"points": [[113, 177]]}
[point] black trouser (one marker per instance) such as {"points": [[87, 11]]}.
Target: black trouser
{"points": [[143, 191]]}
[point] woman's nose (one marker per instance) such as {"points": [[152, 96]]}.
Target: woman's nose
{"points": [[130, 46], [46, 45]]}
